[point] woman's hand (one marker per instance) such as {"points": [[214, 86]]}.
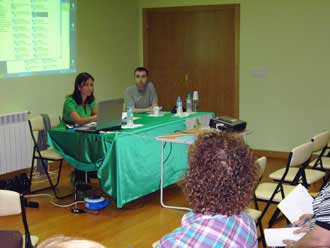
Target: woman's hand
{"points": [[75, 117], [302, 220], [304, 228], [304, 223], [94, 118]]}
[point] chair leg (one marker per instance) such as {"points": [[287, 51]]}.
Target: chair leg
{"points": [[287, 221], [273, 219], [49, 178], [262, 235], [256, 204], [328, 155], [324, 179], [52, 186], [31, 171], [31, 176], [27, 236], [59, 173]]}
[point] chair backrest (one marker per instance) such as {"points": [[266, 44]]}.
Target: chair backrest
{"points": [[301, 154], [320, 141], [37, 122], [261, 162], [10, 203]]}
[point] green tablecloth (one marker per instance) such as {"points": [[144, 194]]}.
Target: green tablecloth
{"points": [[128, 161]]}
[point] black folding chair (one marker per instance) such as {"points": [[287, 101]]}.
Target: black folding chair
{"points": [[36, 124], [274, 192], [12, 203]]}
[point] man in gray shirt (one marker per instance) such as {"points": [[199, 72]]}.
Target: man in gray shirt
{"points": [[142, 95]]}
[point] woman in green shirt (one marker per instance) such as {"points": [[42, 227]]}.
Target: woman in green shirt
{"points": [[80, 107]]}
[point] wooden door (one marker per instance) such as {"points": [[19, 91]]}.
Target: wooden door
{"points": [[194, 48]]}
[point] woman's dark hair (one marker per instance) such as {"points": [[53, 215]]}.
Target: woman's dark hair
{"points": [[222, 174], [80, 81], [142, 69]]}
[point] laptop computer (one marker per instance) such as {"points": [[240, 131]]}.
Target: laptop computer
{"points": [[109, 117]]}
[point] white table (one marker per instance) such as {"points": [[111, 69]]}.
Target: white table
{"points": [[173, 138], [164, 140]]}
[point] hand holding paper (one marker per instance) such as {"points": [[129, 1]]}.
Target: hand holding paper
{"points": [[298, 208], [302, 220], [275, 236]]}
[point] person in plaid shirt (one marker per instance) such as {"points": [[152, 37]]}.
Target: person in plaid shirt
{"points": [[219, 185]]}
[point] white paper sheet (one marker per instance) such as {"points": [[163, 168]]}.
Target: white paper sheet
{"points": [[202, 121], [296, 203], [131, 127], [182, 115], [90, 124], [153, 115], [124, 117], [275, 236]]}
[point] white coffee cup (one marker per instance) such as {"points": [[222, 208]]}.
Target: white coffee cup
{"points": [[156, 110], [195, 95]]}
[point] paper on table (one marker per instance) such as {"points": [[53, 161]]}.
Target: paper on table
{"points": [[275, 236], [130, 127], [182, 115], [296, 203], [160, 112], [90, 124], [153, 115], [124, 116]]}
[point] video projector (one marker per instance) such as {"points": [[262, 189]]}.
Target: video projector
{"points": [[227, 123]]}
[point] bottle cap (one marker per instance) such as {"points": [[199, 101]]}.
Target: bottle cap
{"points": [[195, 95]]}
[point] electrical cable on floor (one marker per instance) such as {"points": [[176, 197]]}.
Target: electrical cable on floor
{"points": [[52, 202]]}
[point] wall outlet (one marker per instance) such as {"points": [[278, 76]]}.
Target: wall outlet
{"points": [[259, 74]]}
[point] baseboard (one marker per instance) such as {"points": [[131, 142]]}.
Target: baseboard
{"points": [[271, 154]]}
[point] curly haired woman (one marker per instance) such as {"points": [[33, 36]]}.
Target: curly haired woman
{"points": [[219, 185]]}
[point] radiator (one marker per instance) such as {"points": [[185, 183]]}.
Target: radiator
{"points": [[15, 142]]}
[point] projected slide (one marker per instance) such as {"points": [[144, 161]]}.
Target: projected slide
{"points": [[37, 37]]}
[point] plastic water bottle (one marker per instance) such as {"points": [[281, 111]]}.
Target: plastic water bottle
{"points": [[179, 106], [130, 116], [189, 104], [195, 101]]}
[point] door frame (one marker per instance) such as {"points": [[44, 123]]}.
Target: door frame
{"points": [[236, 8]]}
